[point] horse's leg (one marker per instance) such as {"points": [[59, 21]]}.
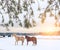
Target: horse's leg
{"points": [[15, 42], [22, 42], [35, 42], [27, 42]]}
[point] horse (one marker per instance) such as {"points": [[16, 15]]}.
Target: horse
{"points": [[18, 38], [33, 39]]}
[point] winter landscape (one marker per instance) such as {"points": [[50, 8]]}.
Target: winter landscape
{"points": [[39, 19]]}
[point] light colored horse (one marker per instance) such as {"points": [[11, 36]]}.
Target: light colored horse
{"points": [[18, 38]]}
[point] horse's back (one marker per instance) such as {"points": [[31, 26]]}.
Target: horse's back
{"points": [[34, 38], [21, 38]]}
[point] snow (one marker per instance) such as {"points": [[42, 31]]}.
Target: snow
{"points": [[8, 43]]}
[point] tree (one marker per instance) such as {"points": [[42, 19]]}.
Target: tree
{"points": [[53, 5], [14, 8]]}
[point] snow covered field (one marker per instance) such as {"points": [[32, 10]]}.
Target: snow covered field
{"points": [[44, 43]]}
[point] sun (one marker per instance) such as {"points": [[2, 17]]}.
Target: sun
{"points": [[48, 26]]}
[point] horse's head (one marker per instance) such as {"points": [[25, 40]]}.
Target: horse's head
{"points": [[26, 36], [13, 35]]}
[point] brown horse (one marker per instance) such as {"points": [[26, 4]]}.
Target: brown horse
{"points": [[33, 39], [18, 38]]}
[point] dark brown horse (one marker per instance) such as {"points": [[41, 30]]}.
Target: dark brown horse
{"points": [[33, 39]]}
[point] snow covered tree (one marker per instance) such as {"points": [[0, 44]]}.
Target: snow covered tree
{"points": [[15, 9]]}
